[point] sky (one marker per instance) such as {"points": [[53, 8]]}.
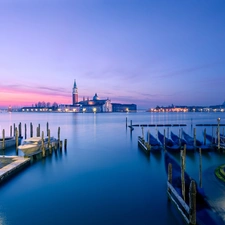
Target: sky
{"points": [[146, 52]]}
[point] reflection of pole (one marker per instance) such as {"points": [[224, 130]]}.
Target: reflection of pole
{"points": [[179, 138], [164, 139], [218, 133], [149, 137], [195, 137], [205, 136], [200, 167], [142, 132], [212, 137], [169, 175]]}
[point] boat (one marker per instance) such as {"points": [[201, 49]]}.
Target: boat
{"points": [[169, 144], [190, 140], [9, 142], [33, 145], [204, 212], [153, 142], [181, 142], [214, 140]]}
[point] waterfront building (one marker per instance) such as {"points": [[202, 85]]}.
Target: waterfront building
{"points": [[86, 105], [118, 107], [96, 105]]}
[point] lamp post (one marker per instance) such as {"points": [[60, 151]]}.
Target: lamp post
{"points": [[218, 132]]}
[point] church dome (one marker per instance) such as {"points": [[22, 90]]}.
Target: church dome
{"points": [[95, 98]]}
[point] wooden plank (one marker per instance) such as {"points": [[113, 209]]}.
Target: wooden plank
{"points": [[179, 199], [178, 207]]}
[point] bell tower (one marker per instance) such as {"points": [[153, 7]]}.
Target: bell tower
{"points": [[75, 93]]}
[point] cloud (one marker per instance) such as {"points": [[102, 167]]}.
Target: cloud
{"points": [[189, 70], [41, 90]]}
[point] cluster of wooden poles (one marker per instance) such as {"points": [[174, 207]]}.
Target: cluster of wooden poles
{"points": [[17, 133], [215, 133], [188, 212]]}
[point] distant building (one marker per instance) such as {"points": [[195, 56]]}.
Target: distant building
{"points": [[117, 107], [75, 94], [90, 106], [96, 105]]}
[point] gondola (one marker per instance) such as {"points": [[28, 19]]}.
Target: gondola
{"points": [[169, 144], [199, 144], [204, 213], [181, 142], [154, 143]]}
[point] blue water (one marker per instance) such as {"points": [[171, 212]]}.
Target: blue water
{"points": [[102, 177]]}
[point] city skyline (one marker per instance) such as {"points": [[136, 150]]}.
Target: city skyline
{"points": [[147, 53]]}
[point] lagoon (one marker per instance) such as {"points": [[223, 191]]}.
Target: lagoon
{"points": [[103, 177]]}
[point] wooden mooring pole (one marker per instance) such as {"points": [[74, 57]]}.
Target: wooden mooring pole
{"points": [[3, 140], [31, 130], [169, 176], [58, 136], [14, 130], [192, 203], [11, 131], [39, 130], [142, 128], [182, 173], [47, 127], [17, 141], [48, 137], [42, 144], [65, 144], [25, 131], [60, 145], [20, 130]]}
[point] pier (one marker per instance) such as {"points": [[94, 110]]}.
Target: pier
{"points": [[9, 165]]}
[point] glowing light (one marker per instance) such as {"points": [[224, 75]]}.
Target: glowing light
{"points": [[94, 110]]}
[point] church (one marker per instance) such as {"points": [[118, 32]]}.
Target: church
{"points": [[90, 105], [94, 105]]}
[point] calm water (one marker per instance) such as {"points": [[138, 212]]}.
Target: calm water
{"points": [[103, 177]]}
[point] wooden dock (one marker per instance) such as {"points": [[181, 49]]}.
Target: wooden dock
{"points": [[157, 125], [9, 165]]}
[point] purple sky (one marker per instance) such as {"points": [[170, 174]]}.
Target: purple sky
{"points": [[132, 51]]}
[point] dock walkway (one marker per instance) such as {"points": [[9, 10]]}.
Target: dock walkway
{"points": [[10, 165]]}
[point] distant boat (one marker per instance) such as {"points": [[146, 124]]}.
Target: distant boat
{"points": [[169, 144], [204, 212], [190, 141], [181, 142], [9, 142]]}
